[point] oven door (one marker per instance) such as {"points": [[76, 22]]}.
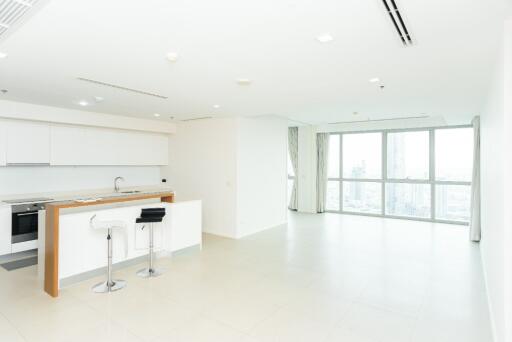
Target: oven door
{"points": [[24, 226]]}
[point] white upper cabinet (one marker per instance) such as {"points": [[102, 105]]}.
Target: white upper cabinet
{"points": [[27, 143], [72, 145], [3, 144]]}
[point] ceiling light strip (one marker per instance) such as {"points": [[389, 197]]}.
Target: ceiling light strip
{"points": [[115, 86]]}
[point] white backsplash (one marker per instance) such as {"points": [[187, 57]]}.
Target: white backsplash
{"points": [[38, 179]]}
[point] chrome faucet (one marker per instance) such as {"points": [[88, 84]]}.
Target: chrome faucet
{"points": [[116, 185]]}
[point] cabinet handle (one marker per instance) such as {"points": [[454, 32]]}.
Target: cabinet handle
{"points": [[26, 214]]}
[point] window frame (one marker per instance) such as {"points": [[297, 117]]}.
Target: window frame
{"points": [[385, 180]]}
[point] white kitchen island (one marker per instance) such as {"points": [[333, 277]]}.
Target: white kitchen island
{"points": [[82, 250]]}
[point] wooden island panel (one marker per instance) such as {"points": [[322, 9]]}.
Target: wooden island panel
{"points": [[51, 254]]}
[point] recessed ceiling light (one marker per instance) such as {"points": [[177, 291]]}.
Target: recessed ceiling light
{"points": [[216, 106], [172, 56], [324, 38], [374, 80], [156, 115], [243, 81], [83, 103], [3, 55]]}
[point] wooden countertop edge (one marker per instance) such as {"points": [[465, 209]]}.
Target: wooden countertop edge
{"points": [[166, 197]]}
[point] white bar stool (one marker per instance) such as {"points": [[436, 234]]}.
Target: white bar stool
{"points": [[111, 284]]}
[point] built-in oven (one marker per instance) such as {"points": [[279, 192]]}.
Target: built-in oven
{"points": [[25, 217], [25, 222]]}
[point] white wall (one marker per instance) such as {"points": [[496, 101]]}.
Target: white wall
{"points": [[496, 187], [261, 174], [38, 179], [237, 167], [507, 104], [202, 165]]}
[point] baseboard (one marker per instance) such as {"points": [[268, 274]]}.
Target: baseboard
{"points": [[261, 230], [219, 234], [489, 302], [239, 236]]}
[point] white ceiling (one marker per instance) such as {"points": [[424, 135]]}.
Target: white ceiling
{"points": [[271, 42]]}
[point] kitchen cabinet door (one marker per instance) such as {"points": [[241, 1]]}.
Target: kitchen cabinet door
{"points": [[3, 143], [5, 230], [97, 146], [28, 143]]}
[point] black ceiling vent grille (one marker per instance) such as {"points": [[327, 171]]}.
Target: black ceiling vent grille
{"points": [[398, 22]]}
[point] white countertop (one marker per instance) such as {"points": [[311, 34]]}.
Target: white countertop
{"points": [[92, 193]]}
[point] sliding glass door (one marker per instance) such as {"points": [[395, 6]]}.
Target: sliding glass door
{"points": [[422, 174]]}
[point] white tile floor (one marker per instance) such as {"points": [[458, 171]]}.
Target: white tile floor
{"points": [[323, 278]]}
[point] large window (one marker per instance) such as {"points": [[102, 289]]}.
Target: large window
{"points": [[408, 155], [408, 200], [453, 167], [422, 174], [362, 197], [454, 154], [362, 157]]}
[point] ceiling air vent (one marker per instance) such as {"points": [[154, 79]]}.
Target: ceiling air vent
{"points": [[398, 22], [379, 120], [194, 119], [136, 91], [13, 13]]}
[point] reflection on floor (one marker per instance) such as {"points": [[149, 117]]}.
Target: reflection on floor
{"points": [[321, 278]]}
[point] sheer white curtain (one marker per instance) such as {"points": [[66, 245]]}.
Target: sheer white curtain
{"points": [[293, 150], [474, 224], [322, 148]]}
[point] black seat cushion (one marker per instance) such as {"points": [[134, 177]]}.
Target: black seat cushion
{"points": [[153, 210], [148, 215], [148, 219]]}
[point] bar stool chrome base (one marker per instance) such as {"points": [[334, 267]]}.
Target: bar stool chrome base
{"points": [[104, 287], [149, 272]]}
